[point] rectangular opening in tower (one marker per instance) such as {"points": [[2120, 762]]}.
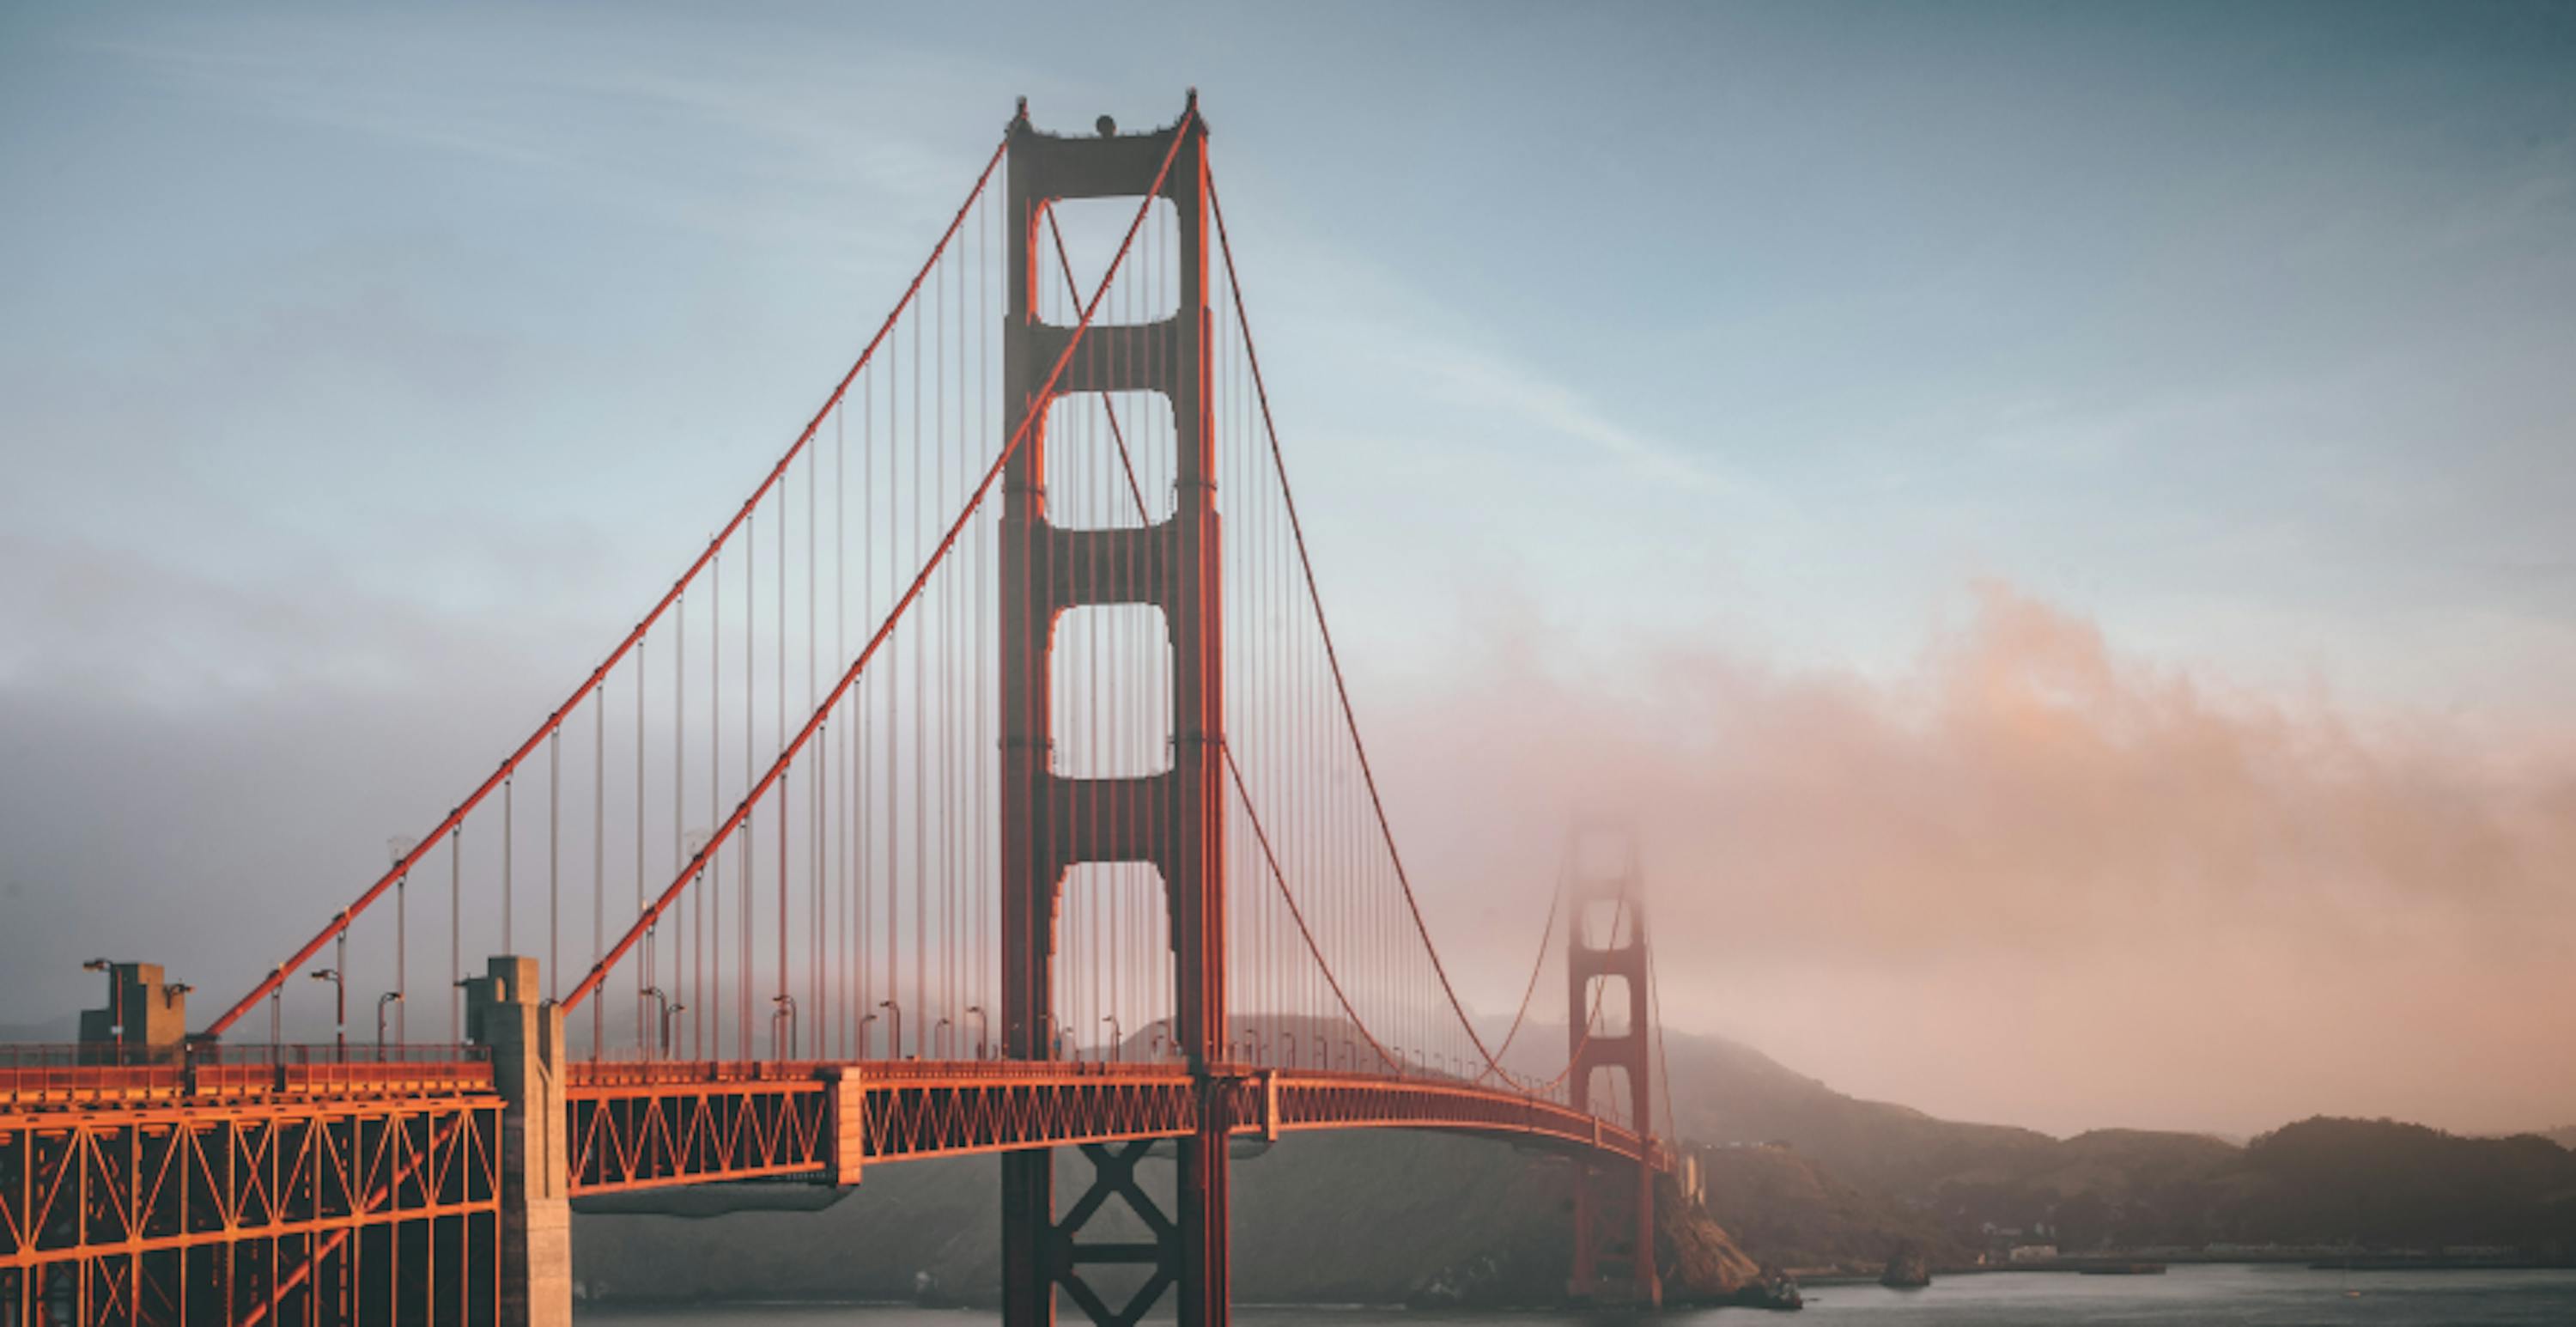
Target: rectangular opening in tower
{"points": [[1606, 1094], [1113, 963], [1111, 670], [1110, 459], [1147, 288], [1605, 1005]]}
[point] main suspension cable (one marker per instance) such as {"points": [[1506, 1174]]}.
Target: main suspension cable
{"points": [[456, 817], [912, 592], [1332, 657]]}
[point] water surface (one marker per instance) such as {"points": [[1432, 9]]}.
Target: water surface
{"points": [[2218, 1296]]}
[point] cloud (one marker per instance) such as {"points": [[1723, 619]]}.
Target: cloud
{"points": [[2035, 880]]}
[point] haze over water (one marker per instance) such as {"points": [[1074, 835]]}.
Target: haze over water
{"points": [[2209, 1295]]}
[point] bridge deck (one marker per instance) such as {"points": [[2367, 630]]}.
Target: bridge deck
{"points": [[640, 1126], [209, 1153]]}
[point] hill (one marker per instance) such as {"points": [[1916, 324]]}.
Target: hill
{"points": [[2384, 1184], [1359, 1217], [1810, 1177]]}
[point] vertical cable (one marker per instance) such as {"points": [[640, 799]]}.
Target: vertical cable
{"points": [[680, 790], [598, 859], [402, 957], [920, 670], [554, 862], [509, 842], [455, 933], [815, 1016], [860, 708], [750, 692], [643, 1041], [893, 723], [778, 1007], [711, 980], [841, 651]]}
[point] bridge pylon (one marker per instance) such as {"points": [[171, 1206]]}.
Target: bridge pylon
{"points": [[1606, 970], [1173, 820]]}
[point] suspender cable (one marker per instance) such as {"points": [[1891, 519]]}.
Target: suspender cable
{"points": [[456, 816], [911, 593], [554, 861], [1341, 689]]}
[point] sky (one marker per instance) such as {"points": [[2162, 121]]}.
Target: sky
{"points": [[2050, 520]]}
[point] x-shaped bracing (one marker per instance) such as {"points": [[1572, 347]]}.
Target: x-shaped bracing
{"points": [[1113, 1174]]}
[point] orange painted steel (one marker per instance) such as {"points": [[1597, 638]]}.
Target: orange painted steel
{"points": [[350, 1191], [639, 1126], [235, 1211], [30, 1082]]}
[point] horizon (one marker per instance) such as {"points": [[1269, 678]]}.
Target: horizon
{"points": [[2050, 523]]}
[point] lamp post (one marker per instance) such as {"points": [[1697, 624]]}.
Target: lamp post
{"points": [[1347, 1058], [674, 1011], [399, 848], [1117, 1036], [1291, 1039], [662, 1004], [864, 1025], [1260, 1045], [894, 1022], [709, 905], [339, 1007], [388, 998], [983, 1026], [939, 1042], [783, 1021]]}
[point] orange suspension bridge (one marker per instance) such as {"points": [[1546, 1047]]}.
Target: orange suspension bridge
{"points": [[986, 784]]}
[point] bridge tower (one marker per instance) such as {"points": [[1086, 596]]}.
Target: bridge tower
{"points": [[1173, 820], [1606, 968]]}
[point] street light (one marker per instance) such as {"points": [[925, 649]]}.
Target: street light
{"points": [[693, 845], [661, 1003], [983, 1026], [1117, 1036], [894, 1021], [939, 1038], [389, 997], [339, 1007], [399, 847], [783, 1018], [1291, 1039], [667, 1015]]}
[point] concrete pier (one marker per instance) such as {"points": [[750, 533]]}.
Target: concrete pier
{"points": [[524, 1033]]}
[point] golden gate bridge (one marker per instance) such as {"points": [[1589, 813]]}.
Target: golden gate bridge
{"points": [[988, 783]]}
